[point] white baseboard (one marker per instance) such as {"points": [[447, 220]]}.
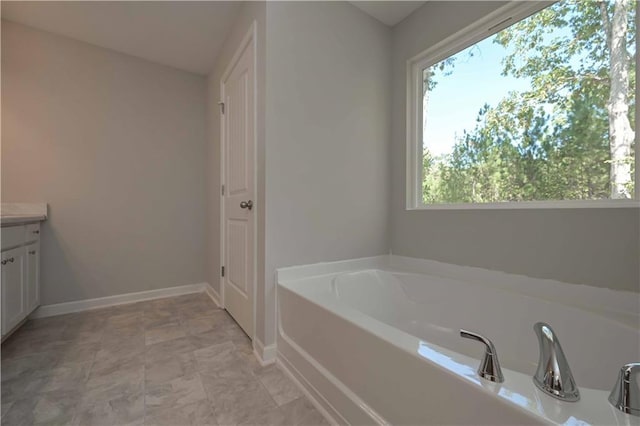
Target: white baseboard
{"points": [[266, 355], [120, 299], [213, 294]]}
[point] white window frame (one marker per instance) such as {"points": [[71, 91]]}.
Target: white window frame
{"points": [[483, 28]]}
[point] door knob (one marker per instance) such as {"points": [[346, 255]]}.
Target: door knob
{"points": [[246, 204]]}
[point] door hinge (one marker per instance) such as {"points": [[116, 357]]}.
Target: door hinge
{"points": [[221, 106], [222, 189], [223, 271]]}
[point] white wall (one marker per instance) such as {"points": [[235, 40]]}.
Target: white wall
{"points": [[598, 247], [328, 128], [116, 145]]}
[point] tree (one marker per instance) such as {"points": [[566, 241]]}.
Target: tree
{"points": [[597, 41], [620, 133]]}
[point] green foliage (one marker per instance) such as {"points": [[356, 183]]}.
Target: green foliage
{"points": [[547, 143]]}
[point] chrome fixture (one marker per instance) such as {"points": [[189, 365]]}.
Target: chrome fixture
{"points": [[246, 204], [489, 368], [553, 375], [625, 395]]}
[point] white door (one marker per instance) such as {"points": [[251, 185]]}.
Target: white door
{"points": [[13, 294], [238, 144], [33, 277]]}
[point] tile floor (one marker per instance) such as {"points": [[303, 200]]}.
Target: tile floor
{"points": [[177, 361]]}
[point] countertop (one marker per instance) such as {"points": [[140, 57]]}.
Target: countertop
{"points": [[6, 220], [19, 213]]}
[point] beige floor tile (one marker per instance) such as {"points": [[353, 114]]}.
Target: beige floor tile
{"points": [[109, 385], [90, 320], [82, 335], [197, 307], [124, 320], [168, 349], [242, 343], [237, 397], [208, 338], [129, 332], [191, 298], [20, 387], [85, 329], [124, 409], [40, 362], [65, 377], [174, 361], [159, 304], [166, 369], [215, 358], [51, 408], [55, 323], [153, 318], [197, 414], [77, 352], [301, 412], [4, 408], [281, 389], [129, 308], [249, 360], [24, 345], [164, 333], [116, 354], [42, 334], [106, 364], [208, 322], [175, 393]]}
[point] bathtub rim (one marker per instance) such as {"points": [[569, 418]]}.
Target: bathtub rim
{"points": [[618, 305]]}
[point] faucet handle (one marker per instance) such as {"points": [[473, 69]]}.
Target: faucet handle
{"points": [[625, 395], [489, 368]]}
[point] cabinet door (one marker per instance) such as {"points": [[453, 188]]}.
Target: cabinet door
{"points": [[13, 294], [32, 286]]}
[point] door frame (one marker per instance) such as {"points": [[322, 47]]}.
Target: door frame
{"points": [[249, 38]]}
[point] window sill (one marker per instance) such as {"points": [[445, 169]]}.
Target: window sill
{"points": [[572, 204]]}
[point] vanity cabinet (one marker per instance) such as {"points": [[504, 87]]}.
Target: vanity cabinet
{"points": [[20, 274], [14, 305]]}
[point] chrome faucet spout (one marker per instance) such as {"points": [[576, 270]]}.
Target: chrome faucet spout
{"points": [[553, 375]]}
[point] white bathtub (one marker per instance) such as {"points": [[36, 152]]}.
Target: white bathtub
{"points": [[377, 341]]}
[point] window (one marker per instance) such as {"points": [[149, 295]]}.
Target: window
{"points": [[539, 113]]}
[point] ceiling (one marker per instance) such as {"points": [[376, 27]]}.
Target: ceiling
{"points": [[181, 34], [388, 12]]}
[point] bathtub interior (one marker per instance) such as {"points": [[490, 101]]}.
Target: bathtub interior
{"points": [[434, 309]]}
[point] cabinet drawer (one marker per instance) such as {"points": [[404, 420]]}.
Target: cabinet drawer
{"points": [[12, 236], [32, 232]]}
